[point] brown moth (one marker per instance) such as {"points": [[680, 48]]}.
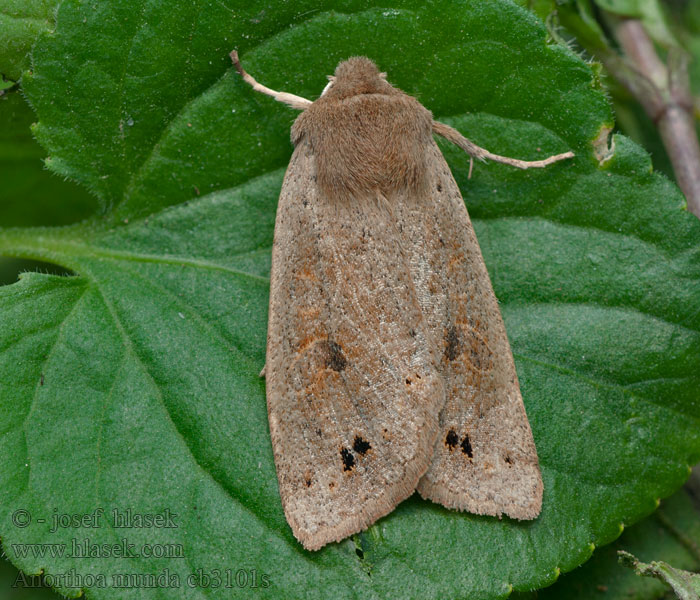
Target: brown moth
{"points": [[388, 367]]}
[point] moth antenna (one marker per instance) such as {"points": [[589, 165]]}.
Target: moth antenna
{"points": [[454, 136], [289, 99]]}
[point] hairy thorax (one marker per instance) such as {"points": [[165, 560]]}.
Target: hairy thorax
{"points": [[367, 143]]}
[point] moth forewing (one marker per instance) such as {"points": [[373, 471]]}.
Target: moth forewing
{"points": [[388, 366], [353, 388], [485, 459]]}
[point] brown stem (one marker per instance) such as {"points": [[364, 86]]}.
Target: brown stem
{"points": [[677, 129], [640, 49], [664, 92]]}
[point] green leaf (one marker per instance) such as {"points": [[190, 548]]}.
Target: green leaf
{"points": [[686, 585], [29, 194], [134, 385], [578, 17], [648, 11], [15, 585], [21, 21], [686, 23], [542, 8], [672, 533]]}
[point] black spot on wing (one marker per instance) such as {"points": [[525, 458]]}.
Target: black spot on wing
{"points": [[361, 446], [451, 440], [335, 359], [454, 343], [348, 459], [467, 447]]}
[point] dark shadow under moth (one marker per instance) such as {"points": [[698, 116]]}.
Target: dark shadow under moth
{"points": [[388, 367]]}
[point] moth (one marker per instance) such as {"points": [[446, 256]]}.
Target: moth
{"points": [[388, 369]]}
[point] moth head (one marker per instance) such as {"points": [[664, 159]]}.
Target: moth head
{"points": [[357, 75]]}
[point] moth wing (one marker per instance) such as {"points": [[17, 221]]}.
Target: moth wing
{"points": [[353, 387], [485, 459]]}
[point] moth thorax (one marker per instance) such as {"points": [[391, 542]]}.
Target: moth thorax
{"points": [[368, 144]]}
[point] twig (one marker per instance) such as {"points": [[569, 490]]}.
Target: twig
{"points": [[664, 92]]}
